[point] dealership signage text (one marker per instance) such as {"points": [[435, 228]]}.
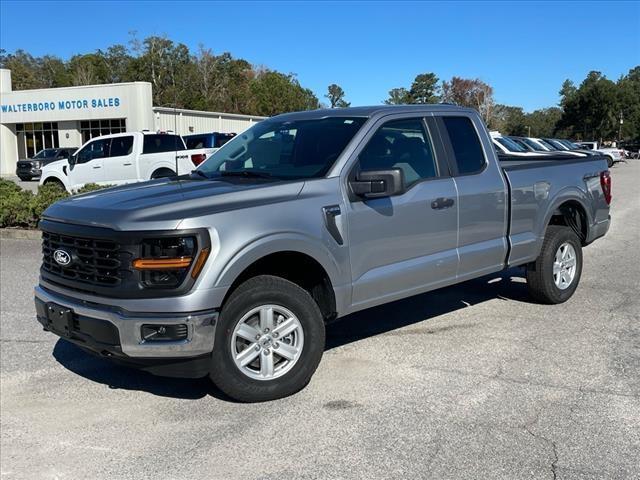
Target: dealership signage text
{"points": [[79, 104]]}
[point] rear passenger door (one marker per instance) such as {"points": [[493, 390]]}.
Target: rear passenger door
{"points": [[120, 165], [404, 244], [482, 196]]}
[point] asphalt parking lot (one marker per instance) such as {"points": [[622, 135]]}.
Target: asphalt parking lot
{"points": [[472, 381]]}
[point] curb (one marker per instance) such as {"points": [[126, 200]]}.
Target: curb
{"points": [[20, 234]]}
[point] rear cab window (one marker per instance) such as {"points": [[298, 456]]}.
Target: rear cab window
{"points": [[467, 150], [121, 146], [159, 143]]}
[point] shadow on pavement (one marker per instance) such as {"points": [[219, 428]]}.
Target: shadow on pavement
{"points": [[507, 285]]}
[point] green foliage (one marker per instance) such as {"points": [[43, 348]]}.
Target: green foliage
{"points": [[204, 81], [336, 94], [21, 208], [424, 89]]}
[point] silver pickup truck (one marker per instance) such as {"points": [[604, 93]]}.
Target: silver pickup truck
{"points": [[234, 270]]}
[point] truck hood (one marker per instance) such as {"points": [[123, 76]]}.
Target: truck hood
{"points": [[162, 204]]}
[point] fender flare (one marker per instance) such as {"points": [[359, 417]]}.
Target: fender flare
{"points": [[567, 194], [58, 176], [276, 243]]}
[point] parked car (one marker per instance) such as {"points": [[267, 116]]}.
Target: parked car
{"points": [[506, 146], [210, 142], [124, 158], [31, 168], [552, 146], [234, 270], [528, 143], [613, 154]]}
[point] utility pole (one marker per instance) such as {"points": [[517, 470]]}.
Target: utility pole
{"points": [[620, 128], [529, 130]]}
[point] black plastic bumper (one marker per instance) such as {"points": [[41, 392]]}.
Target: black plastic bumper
{"points": [[100, 338]]}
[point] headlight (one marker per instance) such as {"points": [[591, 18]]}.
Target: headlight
{"points": [[166, 261]]}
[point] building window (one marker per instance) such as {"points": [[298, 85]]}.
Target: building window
{"points": [[33, 137], [96, 128]]}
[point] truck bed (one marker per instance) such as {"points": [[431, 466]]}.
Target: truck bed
{"points": [[534, 183]]}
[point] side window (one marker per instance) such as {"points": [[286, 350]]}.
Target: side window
{"points": [[94, 150], [121, 146], [158, 143], [402, 144], [196, 142], [465, 143]]}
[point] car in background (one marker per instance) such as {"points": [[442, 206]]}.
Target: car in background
{"points": [[506, 146], [210, 142], [122, 158], [30, 168], [556, 148], [613, 154], [529, 144]]}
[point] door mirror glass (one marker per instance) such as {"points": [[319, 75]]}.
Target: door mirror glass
{"points": [[378, 183]]}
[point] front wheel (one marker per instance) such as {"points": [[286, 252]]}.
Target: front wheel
{"points": [[554, 276], [269, 340], [609, 162]]}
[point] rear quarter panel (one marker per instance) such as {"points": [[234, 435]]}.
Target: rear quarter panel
{"points": [[537, 192]]}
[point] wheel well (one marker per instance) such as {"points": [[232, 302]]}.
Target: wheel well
{"points": [[162, 172], [300, 269], [53, 180], [572, 214]]}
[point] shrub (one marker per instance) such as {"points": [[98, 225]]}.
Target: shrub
{"points": [[21, 208]]}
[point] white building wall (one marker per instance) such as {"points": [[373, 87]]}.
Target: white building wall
{"points": [[185, 122]]}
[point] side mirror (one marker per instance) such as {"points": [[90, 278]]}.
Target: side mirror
{"points": [[72, 161], [378, 183]]}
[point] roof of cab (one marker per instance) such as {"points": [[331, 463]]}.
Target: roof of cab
{"points": [[370, 111]]}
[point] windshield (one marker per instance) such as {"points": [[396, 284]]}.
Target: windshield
{"points": [[510, 144], [534, 145], [547, 144], [570, 145], [46, 153], [556, 143], [285, 149]]}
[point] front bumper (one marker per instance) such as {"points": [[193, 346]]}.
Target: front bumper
{"points": [[28, 172], [116, 333]]}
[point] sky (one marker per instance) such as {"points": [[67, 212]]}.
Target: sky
{"points": [[525, 50]]}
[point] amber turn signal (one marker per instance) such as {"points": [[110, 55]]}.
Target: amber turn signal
{"points": [[202, 258], [161, 263]]}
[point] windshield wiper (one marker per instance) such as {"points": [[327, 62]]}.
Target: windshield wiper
{"points": [[244, 173]]}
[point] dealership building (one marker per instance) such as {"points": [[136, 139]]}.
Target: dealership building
{"points": [[31, 120]]}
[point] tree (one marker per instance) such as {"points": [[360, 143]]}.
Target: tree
{"points": [[424, 89], [592, 110], [472, 93], [274, 92], [544, 122], [508, 120], [336, 96], [629, 104], [398, 96]]}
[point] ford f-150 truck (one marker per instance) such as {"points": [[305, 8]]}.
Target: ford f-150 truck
{"points": [[124, 158], [232, 271]]}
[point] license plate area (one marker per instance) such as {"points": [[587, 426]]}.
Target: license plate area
{"points": [[59, 319]]}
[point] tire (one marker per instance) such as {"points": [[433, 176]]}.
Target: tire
{"points": [[251, 383], [545, 276], [54, 181], [163, 173], [609, 162]]}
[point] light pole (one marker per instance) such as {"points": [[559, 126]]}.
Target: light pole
{"points": [[529, 130], [620, 128]]}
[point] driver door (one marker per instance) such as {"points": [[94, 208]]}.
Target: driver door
{"points": [[403, 244], [89, 163]]}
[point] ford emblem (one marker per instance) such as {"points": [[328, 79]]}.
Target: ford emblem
{"points": [[62, 257]]}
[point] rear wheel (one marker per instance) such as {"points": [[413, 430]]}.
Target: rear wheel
{"points": [[554, 276], [609, 161], [269, 340], [163, 173]]}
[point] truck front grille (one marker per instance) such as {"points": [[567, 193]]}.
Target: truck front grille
{"points": [[92, 261]]}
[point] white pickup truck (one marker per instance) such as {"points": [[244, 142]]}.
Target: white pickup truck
{"points": [[124, 158]]}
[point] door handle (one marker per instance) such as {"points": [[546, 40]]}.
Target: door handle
{"points": [[97, 166], [127, 164], [442, 203]]}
